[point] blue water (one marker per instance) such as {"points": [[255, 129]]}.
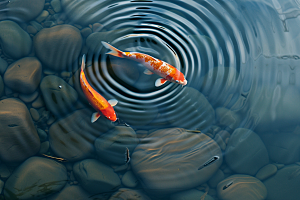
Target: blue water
{"points": [[231, 133]]}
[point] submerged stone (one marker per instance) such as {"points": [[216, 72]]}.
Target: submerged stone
{"points": [[48, 43], [24, 75], [126, 193], [15, 42], [245, 152], [266, 172], [112, 145], [59, 96], [129, 179], [175, 160], [18, 136], [96, 177], [35, 179], [244, 187], [191, 195]]}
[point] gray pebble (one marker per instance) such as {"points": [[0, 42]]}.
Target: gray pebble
{"points": [[191, 195], [42, 16], [34, 114], [44, 147], [27, 98], [126, 193], [86, 32], [49, 23], [227, 118], [65, 74], [31, 30], [42, 135], [38, 103], [56, 5], [216, 178], [1, 186], [3, 66], [97, 27], [1, 86], [129, 180], [36, 25], [266, 172], [8, 91], [4, 171]]}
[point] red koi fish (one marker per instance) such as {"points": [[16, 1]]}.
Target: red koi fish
{"points": [[97, 101], [153, 65]]}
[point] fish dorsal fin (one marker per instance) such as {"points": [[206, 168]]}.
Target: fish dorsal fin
{"points": [[83, 62], [148, 72], [95, 116], [113, 102], [160, 82]]}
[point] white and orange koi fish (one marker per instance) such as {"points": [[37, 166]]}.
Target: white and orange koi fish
{"points": [[97, 101], [153, 65]]}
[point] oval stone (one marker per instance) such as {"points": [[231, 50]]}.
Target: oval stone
{"points": [[18, 136], [15, 42], [24, 75], [239, 187], [36, 178], [245, 152], [48, 45], [170, 160]]}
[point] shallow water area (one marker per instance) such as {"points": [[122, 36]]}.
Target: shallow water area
{"points": [[232, 132]]}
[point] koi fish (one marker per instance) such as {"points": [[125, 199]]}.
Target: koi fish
{"points": [[153, 65], [97, 101]]}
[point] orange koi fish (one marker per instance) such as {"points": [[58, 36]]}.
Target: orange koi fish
{"points": [[97, 101], [153, 65]]}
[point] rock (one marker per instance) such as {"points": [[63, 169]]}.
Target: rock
{"points": [[266, 172], [27, 98], [197, 113], [282, 147], [96, 177], [86, 32], [56, 5], [15, 42], [83, 12], [59, 96], [97, 27], [284, 184], [3, 65], [1, 186], [36, 25], [191, 195], [245, 152], [39, 102], [75, 192], [170, 159], [31, 30], [24, 10], [34, 114], [44, 14], [42, 135], [44, 148], [125, 193], [1, 86], [4, 171], [227, 118], [35, 178], [216, 178], [111, 146], [73, 137], [24, 75], [129, 180], [48, 43], [244, 187], [16, 126]]}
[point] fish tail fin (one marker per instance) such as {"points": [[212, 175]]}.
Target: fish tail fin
{"points": [[83, 62], [114, 51]]}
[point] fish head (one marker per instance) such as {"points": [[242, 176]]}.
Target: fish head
{"points": [[111, 115]]}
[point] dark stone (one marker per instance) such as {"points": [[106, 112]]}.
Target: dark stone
{"points": [[24, 75], [284, 184], [27, 98], [15, 42], [59, 96], [244, 187], [125, 193], [192, 194], [111, 146], [1, 86], [48, 43], [18, 137], [36, 178], [96, 177], [245, 152], [173, 158], [24, 10], [73, 137], [3, 65], [266, 172], [129, 179]]}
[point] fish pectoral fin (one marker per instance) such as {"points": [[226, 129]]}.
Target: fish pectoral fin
{"points": [[148, 72], [160, 82], [95, 116], [113, 102]]}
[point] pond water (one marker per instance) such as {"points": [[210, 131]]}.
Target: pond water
{"points": [[232, 132]]}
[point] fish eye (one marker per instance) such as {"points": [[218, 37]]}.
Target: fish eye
{"points": [[177, 81], [108, 117], [59, 86]]}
